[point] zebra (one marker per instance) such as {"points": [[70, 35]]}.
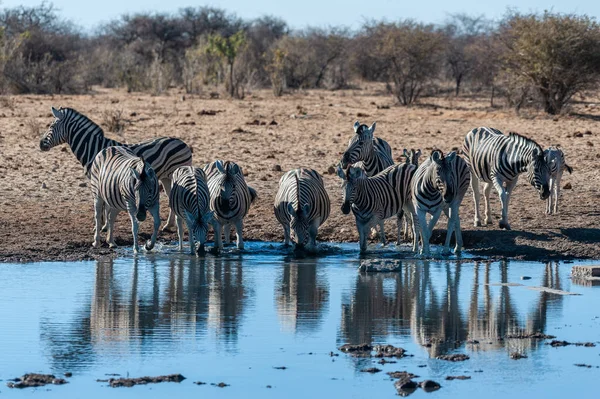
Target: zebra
{"points": [[498, 160], [190, 201], [410, 157], [122, 181], [86, 139], [555, 158], [301, 205], [439, 184], [230, 199], [367, 152], [374, 199]]}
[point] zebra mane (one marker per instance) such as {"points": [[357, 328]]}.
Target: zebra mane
{"points": [[297, 192], [519, 138], [74, 113]]}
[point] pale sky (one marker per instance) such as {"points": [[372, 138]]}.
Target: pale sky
{"points": [[322, 13]]}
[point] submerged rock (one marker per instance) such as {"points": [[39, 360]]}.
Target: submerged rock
{"points": [[405, 387], [458, 377], [517, 356], [429, 385], [33, 380], [388, 351], [535, 335], [371, 370], [129, 382], [455, 357], [357, 350], [402, 375], [380, 266]]}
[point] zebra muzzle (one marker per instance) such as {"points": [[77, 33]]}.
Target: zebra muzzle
{"points": [[346, 208], [141, 216]]}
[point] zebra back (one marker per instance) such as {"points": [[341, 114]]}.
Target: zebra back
{"points": [[555, 158], [124, 181], [190, 197], [302, 189], [86, 139], [230, 197]]}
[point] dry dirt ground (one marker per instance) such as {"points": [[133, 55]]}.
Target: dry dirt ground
{"points": [[46, 207]]}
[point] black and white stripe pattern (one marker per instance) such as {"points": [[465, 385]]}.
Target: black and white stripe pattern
{"points": [[230, 199], [302, 205], [190, 200], [439, 184], [374, 199], [122, 181], [374, 154], [86, 139], [555, 158], [498, 160], [411, 157]]}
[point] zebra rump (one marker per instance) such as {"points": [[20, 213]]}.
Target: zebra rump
{"points": [[122, 181], [230, 198], [190, 200], [301, 205]]}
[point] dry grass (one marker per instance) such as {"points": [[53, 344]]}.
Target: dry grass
{"points": [[113, 121]]}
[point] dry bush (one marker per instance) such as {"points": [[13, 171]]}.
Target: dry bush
{"points": [[32, 127], [7, 103], [114, 121]]}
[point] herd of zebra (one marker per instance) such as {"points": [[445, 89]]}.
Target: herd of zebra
{"points": [[125, 177]]}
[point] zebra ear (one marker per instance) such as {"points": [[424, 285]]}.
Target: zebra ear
{"points": [[235, 169], [405, 152], [436, 156], [219, 166], [569, 169], [356, 126], [291, 210], [372, 128], [450, 157], [306, 209], [536, 152], [418, 154], [57, 113]]}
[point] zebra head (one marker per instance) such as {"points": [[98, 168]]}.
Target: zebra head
{"points": [[360, 145], [228, 176], [412, 156], [200, 228], [299, 224], [350, 178], [145, 186], [442, 174], [57, 133], [538, 173]]}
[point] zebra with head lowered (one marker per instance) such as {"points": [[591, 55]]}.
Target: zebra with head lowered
{"points": [[374, 199], [86, 139], [439, 184], [410, 157], [555, 158], [122, 181], [301, 205], [190, 201], [230, 199], [498, 160]]}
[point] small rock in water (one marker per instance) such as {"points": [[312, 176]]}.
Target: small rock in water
{"points": [[405, 386], [456, 357], [517, 356], [402, 375], [68, 374], [429, 385], [525, 278], [357, 350], [129, 382], [199, 383], [33, 380], [458, 377], [280, 368], [220, 385], [583, 365], [371, 370], [380, 266], [388, 351]]}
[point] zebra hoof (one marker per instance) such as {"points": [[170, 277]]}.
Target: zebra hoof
{"points": [[504, 225], [446, 252], [112, 245], [149, 246], [96, 244], [477, 223]]}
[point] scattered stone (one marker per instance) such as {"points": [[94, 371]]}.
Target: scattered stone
{"points": [[535, 335], [129, 382], [478, 371], [238, 130], [84, 184], [422, 365], [458, 377], [583, 365], [380, 266], [383, 361], [429, 385], [578, 134], [371, 370], [331, 170], [276, 168], [525, 278], [332, 354], [280, 368], [362, 115], [586, 344], [273, 123], [357, 350], [133, 114], [44, 186], [556, 343], [68, 374], [402, 375], [255, 122], [517, 356], [220, 385], [33, 380], [268, 386], [455, 357], [199, 383], [388, 351], [208, 112], [405, 387], [567, 186]]}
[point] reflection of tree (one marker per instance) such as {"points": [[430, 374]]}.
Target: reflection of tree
{"points": [[301, 296], [124, 313], [434, 317]]}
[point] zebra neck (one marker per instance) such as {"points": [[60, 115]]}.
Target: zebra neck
{"points": [[87, 142], [370, 163], [518, 156]]}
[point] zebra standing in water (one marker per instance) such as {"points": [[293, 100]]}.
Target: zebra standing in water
{"points": [[410, 157], [190, 201], [230, 199], [374, 199], [439, 184], [86, 139], [555, 158], [122, 181], [302, 205], [498, 160], [370, 153]]}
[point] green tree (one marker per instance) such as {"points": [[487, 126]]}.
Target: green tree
{"points": [[228, 48]]}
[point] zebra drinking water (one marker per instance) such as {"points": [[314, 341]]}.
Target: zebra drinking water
{"points": [[498, 160], [555, 158], [190, 201], [439, 184], [122, 181], [230, 199], [374, 199], [86, 139], [301, 205]]}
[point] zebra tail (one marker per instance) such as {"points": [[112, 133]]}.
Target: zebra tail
{"points": [[253, 194], [569, 169]]}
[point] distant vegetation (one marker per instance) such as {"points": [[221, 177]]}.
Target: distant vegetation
{"points": [[529, 59]]}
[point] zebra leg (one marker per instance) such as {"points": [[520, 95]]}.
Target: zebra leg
{"points": [[457, 231], [362, 236], [191, 236], [415, 235], [166, 183], [487, 190], [227, 233], [504, 200], [98, 212], [312, 234], [156, 219], [286, 235], [239, 226], [556, 192], [382, 232], [423, 230], [476, 197], [179, 223], [110, 222], [449, 230], [218, 243], [105, 216], [134, 229]]}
